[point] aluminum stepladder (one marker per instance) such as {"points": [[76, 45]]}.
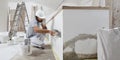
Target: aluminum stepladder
{"points": [[20, 9]]}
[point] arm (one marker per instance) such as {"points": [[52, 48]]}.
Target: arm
{"points": [[38, 30], [44, 26]]}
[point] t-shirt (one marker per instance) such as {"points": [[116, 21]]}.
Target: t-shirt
{"points": [[30, 30]]}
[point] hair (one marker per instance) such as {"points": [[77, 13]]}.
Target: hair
{"points": [[36, 17]]}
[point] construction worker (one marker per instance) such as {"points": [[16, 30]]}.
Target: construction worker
{"points": [[37, 30]]}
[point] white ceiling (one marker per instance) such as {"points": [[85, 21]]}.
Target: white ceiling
{"points": [[49, 6], [53, 4], [49, 3]]}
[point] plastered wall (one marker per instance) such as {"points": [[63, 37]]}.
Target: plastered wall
{"points": [[3, 15]]}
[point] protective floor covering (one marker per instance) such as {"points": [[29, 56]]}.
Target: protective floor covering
{"points": [[109, 44], [7, 52]]}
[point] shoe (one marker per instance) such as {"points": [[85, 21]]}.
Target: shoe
{"points": [[39, 47], [42, 47]]}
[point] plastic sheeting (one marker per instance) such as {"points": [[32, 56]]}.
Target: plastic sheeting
{"points": [[8, 52], [109, 44]]}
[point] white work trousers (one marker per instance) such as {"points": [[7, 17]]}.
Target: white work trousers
{"points": [[37, 41]]}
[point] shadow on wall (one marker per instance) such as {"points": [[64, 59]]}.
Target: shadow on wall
{"points": [[79, 37], [72, 55]]}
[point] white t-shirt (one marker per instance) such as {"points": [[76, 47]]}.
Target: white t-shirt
{"points": [[31, 33]]}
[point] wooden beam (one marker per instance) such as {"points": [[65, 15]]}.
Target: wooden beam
{"points": [[87, 7]]}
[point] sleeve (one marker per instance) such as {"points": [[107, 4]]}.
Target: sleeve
{"points": [[33, 23]]}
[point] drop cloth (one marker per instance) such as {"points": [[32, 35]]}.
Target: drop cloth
{"points": [[109, 44]]}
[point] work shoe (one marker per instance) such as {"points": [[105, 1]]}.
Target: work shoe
{"points": [[39, 47]]}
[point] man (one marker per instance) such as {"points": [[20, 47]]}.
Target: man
{"points": [[37, 30]]}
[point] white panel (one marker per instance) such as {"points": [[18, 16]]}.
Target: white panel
{"points": [[84, 21], [57, 43]]}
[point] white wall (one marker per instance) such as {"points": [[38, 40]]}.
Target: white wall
{"points": [[80, 21], [3, 15], [57, 43], [83, 21]]}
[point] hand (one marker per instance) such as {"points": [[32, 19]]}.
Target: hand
{"points": [[52, 33]]}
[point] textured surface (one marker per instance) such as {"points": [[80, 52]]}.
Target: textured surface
{"points": [[37, 54], [115, 10], [116, 13], [89, 52]]}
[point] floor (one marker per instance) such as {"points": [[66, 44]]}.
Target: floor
{"points": [[37, 54], [73, 56]]}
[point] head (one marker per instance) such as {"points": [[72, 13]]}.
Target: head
{"points": [[40, 17]]}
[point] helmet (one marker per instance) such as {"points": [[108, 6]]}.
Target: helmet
{"points": [[40, 14]]}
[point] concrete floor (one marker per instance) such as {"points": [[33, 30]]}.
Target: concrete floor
{"points": [[74, 56], [37, 54]]}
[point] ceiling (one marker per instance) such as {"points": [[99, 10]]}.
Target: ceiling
{"points": [[49, 3], [50, 6]]}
